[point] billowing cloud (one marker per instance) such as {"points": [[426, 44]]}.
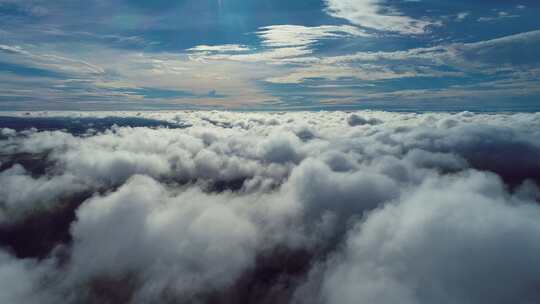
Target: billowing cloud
{"points": [[451, 240], [296, 207], [22, 281], [355, 120], [185, 244], [40, 194]]}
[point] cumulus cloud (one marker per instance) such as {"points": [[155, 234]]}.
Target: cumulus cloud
{"points": [[184, 244], [7, 132], [297, 207], [451, 240], [355, 120], [22, 194], [23, 281]]}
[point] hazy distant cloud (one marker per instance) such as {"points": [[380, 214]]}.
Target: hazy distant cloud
{"points": [[489, 57], [56, 62], [134, 79], [462, 16], [512, 49], [31, 8], [499, 15]]}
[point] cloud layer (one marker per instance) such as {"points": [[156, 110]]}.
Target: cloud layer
{"points": [[376, 14], [257, 55], [298, 207]]}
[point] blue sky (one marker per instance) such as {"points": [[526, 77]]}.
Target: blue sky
{"points": [[269, 54]]}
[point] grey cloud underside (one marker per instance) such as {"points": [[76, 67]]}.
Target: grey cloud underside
{"points": [[329, 207]]}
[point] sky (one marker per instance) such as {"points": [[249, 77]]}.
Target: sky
{"points": [[270, 54]]}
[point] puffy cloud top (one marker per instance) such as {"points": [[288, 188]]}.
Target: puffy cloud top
{"points": [[297, 207]]}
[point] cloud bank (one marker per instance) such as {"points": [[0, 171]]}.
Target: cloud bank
{"points": [[298, 207]]}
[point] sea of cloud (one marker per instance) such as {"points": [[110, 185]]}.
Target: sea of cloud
{"points": [[295, 207]]}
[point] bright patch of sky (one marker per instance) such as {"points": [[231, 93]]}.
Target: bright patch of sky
{"points": [[268, 54]]}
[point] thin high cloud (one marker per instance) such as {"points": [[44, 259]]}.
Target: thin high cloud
{"points": [[377, 15], [298, 207], [99, 55], [282, 43]]}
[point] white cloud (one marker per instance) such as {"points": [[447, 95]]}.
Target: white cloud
{"points": [[220, 48], [282, 42], [56, 62], [184, 244], [297, 35], [375, 14], [22, 281], [339, 207], [440, 244], [462, 16], [488, 57], [82, 76], [40, 194]]}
